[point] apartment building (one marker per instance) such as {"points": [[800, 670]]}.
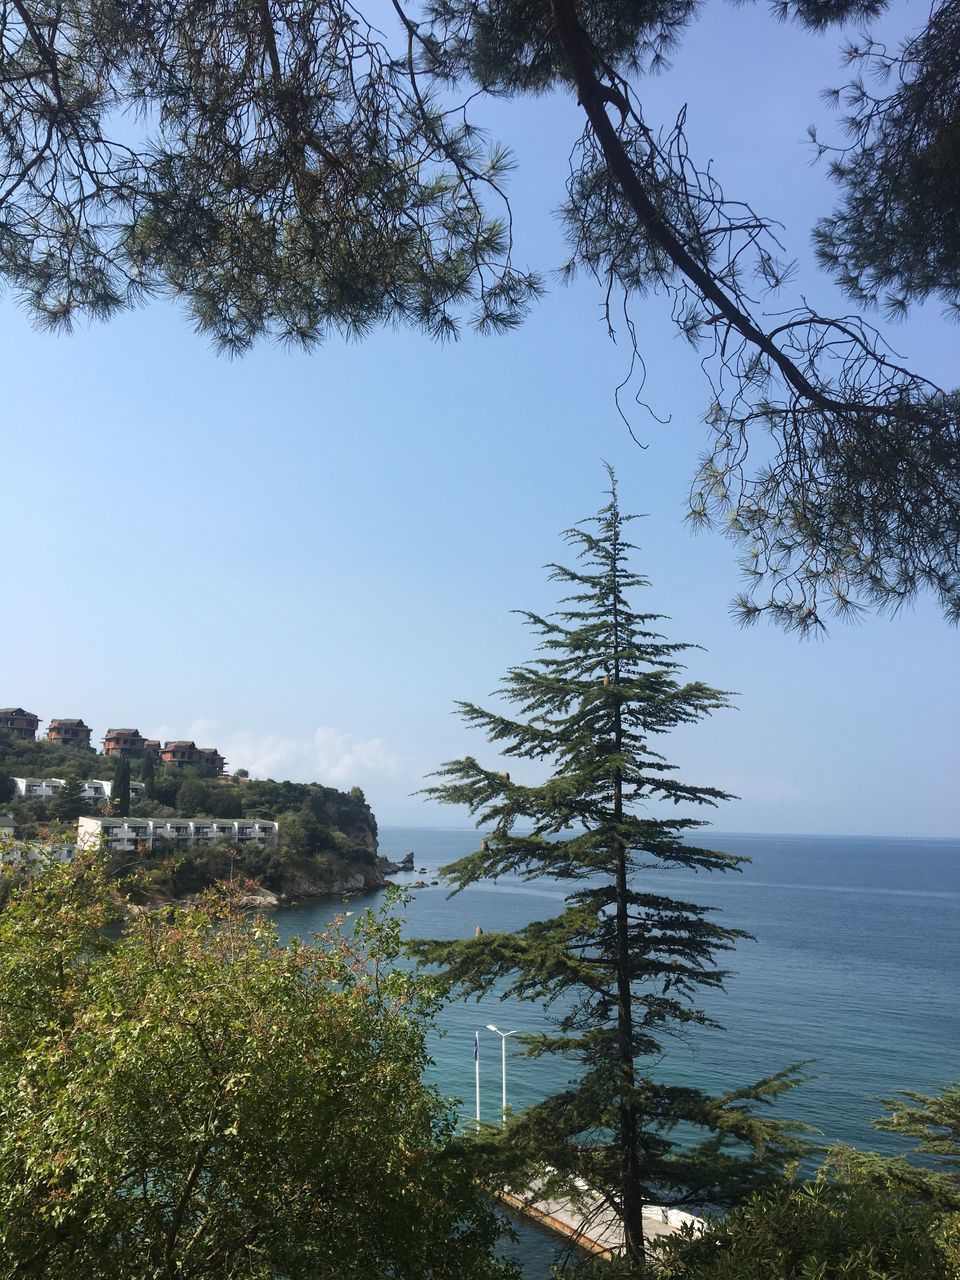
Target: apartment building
{"points": [[26, 853], [95, 790], [128, 834], [69, 733], [23, 723]]}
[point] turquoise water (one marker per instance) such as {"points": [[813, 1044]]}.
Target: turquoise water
{"points": [[855, 965]]}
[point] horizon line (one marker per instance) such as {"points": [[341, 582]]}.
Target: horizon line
{"points": [[783, 835]]}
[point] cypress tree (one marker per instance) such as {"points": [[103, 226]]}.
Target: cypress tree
{"points": [[623, 963], [120, 791], [147, 773]]}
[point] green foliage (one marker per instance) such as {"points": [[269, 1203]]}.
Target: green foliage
{"points": [[188, 1098], [623, 964], [301, 834], [837, 1227], [193, 798], [148, 772], [896, 235], [143, 807], [42, 759], [68, 803], [933, 1120], [225, 802], [167, 784], [8, 788], [333, 833], [340, 811]]}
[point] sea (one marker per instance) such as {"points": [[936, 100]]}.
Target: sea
{"points": [[853, 967]]}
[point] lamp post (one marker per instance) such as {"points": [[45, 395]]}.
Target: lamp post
{"points": [[503, 1059]]}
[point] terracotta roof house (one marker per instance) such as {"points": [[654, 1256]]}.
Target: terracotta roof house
{"points": [[22, 723], [68, 733], [123, 742], [211, 758], [180, 753]]}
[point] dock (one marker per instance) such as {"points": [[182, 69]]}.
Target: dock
{"points": [[587, 1222]]}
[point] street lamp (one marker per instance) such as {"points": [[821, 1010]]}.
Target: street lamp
{"points": [[503, 1058]]}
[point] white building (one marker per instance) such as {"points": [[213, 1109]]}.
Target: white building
{"points": [[95, 790], [129, 833], [27, 853]]}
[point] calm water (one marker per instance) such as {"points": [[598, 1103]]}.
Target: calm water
{"points": [[855, 965]]}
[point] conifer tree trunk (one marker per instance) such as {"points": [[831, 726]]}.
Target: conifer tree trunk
{"points": [[629, 1155], [630, 1194]]}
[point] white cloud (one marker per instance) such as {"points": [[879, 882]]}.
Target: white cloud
{"points": [[330, 755]]}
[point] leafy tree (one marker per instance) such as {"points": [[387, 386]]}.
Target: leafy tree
{"points": [[120, 791], [301, 173], [301, 835], [188, 1098], [42, 759], [68, 803], [193, 797], [622, 963], [166, 786], [836, 1227], [225, 802], [8, 788], [144, 807]]}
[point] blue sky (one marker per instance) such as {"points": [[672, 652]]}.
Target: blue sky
{"points": [[304, 559]]}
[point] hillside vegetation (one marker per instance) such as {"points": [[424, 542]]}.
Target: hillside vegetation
{"points": [[327, 839]]}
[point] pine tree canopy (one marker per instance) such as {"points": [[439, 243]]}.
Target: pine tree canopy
{"points": [[896, 235], [68, 803], [623, 965], [310, 169], [934, 1121]]}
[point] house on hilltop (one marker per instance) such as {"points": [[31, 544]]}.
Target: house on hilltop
{"points": [[181, 753], [69, 733], [128, 743], [23, 723], [211, 758]]}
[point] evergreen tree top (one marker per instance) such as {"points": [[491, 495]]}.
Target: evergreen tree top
{"points": [[603, 686]]}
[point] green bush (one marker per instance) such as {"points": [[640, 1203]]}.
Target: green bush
{"points": [[185, 1097], [832, 1228]]}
